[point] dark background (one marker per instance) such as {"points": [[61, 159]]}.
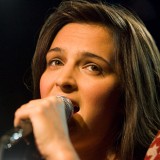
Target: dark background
{"points": [[20, 23]]}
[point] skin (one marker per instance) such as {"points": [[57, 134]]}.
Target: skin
{"points": [[80, 66]]}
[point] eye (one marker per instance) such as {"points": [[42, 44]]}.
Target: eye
{"points": [[55, 62], [93, 68]]}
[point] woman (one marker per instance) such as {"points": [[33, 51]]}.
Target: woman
{"points": [[104, 60]]}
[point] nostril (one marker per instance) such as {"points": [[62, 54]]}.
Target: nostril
{"points": [[76, 109], [68, 88]]}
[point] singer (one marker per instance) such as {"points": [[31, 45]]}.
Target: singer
{"points": [[103, 59]]}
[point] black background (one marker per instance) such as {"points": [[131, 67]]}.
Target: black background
{"points": [[20, 23]]}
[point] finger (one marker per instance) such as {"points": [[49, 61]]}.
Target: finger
{"points": [[22, 114]]}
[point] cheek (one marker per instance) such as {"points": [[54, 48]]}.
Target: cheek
{"points": [[105, 101], [102, 100], [45, 83], [42, 86], [101, 108], [103, 93]]}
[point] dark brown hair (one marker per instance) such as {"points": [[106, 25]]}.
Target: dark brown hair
{"points": [[137, 64]]}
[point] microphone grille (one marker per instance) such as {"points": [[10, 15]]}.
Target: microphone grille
{"points": [[68, 107]]}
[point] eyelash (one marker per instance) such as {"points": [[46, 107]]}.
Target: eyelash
{"points": [[95, 69], [91, 67], [50, 63]]}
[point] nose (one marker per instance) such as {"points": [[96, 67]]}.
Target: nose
{"points": [[66, 80]]}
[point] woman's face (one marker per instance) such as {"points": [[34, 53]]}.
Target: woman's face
{"points": [[80, 66]]}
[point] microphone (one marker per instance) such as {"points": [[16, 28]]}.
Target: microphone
{"points": [[16, 134]]}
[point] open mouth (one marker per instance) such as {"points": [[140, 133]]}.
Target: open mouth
{"points": [[76, 109]]}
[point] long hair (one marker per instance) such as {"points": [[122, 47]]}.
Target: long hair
{"points": [[137, 62]]}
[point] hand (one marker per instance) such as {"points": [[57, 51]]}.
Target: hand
{"points": [[50, 129]]}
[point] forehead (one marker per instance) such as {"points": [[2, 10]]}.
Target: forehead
{"points": [[86, 30], [91, 37]]}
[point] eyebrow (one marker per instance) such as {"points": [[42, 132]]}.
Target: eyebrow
{"points": [[85, 54]]}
